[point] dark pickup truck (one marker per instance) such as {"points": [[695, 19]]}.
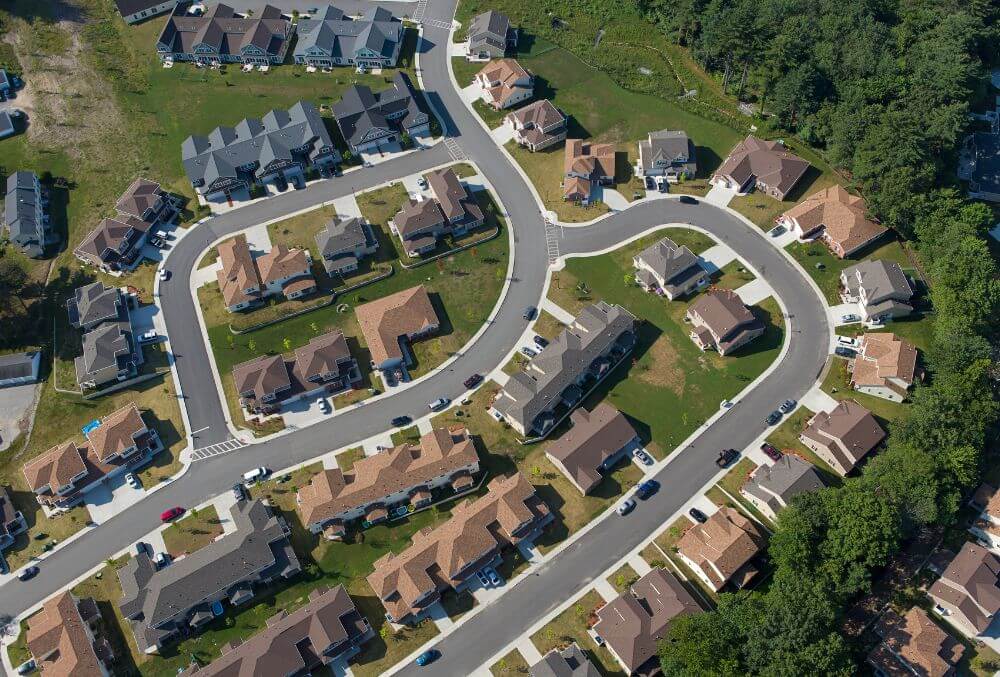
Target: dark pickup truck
{"points": [[726, 456]]}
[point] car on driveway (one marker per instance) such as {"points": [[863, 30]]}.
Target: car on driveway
{"points": [[148, 336], [171, 514], [400, 421], [324, 406], [850, 317], [438, 404], [428, 657], [161, 560], [647, 489], [484, 580], [494, 577], [688, 200], [132, 481], [698, 515], [28, 573], [848, 341], [164, 275], [626, 506], [787, 406], [650, 183], [529, 313], [770, 451], [528, 352], [540, 342], [26, 667], [773, 417], [726, 456], [643, 457], [472, 381], [776, 231]]}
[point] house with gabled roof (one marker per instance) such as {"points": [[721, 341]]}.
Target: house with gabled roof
{"points": [[913, 644], [505, 83], [331, 38], [370, 120], [968, 591], [880, 289], [391, 323], [65, 638], [597, 442], [538, 125], [767, 166], [111, 351], [721, 550], [25, 216], [245, 281], [220, 35], [565, 662], [666, 269], [836, 218], [421, 223], [585, 166], [720, 321], [343, 243], [667, 153], [490, 36], [885, 366], [770, 488], [843, 436]]}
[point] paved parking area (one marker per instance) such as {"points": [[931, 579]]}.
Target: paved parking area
{"points": [[755, 291], [818, 400], [347, 206], [111, 498], [715, 257], [837, 312], [303, 412], [15, 403]]}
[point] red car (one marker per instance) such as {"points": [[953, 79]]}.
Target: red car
{"points": [[770, 451], [173, 513]]}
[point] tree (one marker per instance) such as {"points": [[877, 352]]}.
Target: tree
{"points": [[252, 346], [701, 644], [287, 343]]}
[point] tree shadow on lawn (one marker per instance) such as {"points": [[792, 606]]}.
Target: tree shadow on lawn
{"points": [[445, 328]]}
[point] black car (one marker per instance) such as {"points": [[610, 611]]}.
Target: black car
{"points": [[726, 456], [688, 200], [647, 489], [472, 381], [650, 183], [770, 451], [239, 492], [400, 420], [28, 574], [529, 313], [697, 515], [773, 417], [540, 342]]}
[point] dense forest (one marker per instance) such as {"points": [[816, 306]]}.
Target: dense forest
{"points": [[884, 88]]}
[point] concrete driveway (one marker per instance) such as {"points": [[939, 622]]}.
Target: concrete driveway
{"points": [[15, 402], [111, 498]]}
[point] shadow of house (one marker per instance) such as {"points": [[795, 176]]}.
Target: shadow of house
{"points": [[708, 162], [771, 339]]}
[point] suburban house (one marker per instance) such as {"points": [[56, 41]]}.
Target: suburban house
{"points": [[111, 352], [343, 243], [220, 35], [12, 524], [767, 166], [324, 365], [117, 242], [968, 592], [245, 281], [490, 36], [134, 11], [370, 120], [555, 381], [881, 290], [537, 125], [981, 153], [666, 269], [119, 443], [720, 321], [913, 644], [633, 624], [598, 440], [331, 38], [328, 628], [842, 436], [986, 527], [164, 605], [7, 124], [449, 555], [505, 83], [379, 485], [885, 366], [276, 149], [720, 550], [586, 165], [391, 323], [65, 638], [667, 153], [567, 662], [770, 488], [24, 214], [421, 223], [19, 368], [837, 218]]}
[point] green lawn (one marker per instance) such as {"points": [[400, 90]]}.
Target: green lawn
{"points": [[512, 663], [347, 459], [623, 578], [732, 482], [825, 268], [193, 532], [17, 651], [672, 386], [733, 275], [571, 626], [465, 70]]}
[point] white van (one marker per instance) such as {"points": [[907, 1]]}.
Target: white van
{"points": [[255, 475]]}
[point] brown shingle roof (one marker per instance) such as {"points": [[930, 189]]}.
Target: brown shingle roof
{"points": [[282, 262], [417, 215], [58, 641], [884, 356], [261, 375], [140, 196], [238, 271], [592, 160], [972, 584], [769, 162], [595, 436], [117, 432], [385, 320], [541, 113], [56, 467], [722, 545], [928, 649], [722, 311], [501, 77], [332, 492], [842, 215], [849, 430], [455, 199], [321, 354], [442, 556]]}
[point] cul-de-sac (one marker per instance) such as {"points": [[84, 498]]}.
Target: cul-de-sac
{"points": [[496, 338]]}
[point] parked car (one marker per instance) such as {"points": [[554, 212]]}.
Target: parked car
{"points": [[239, 492], [132, 481], [484, 580], [156, 242], [850, 317], [726, 456], [776, 231], [324, 406], [164, 275], [148, 336], [494, 577], [643, 457], [540, 342], [400, 421], [787, 406], [529, 313], [688, 200], [255, 475], [161, 560], [849, 341], [422, 182], [26, 667], [698, 515], [142, 548], [770, 451], [472, 381], [843, 352], [172, 513], [28, 573], [773, 417], [626, 506], [528, 352], [438, 404], [428, 657], [647, 489]]}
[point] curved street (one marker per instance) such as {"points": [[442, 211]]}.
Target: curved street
{"points": [[561, 576]]}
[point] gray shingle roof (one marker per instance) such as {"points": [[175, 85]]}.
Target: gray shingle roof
{"points": [[490, 28], [668, 147], [360, 111], [787, 478], [94, 303], [223, 32], [570, 662], [21, 207], [343, 235], [880, 280], [337, 36], [16, 365], [669, 260]]}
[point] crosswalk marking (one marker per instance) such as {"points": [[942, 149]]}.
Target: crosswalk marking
{"points": [[231, 444], [436, 23], [454, 149], [551, 241], [418, 14]]}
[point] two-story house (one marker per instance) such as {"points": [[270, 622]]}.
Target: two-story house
{"points": [[421, 223], [505, 83], [391, 323], [65, 638], [843, 436], [721, 550], [835, 217], [490, 36], [370, 121], [720, 321], [767, 166], [968, 592], [585, 167], [25, 214], [667, 153], [245, 281], [666, 269], [885, 366], [331, 38], [261, 383], [880, 289], [343, 243], [111, 352], [538, 125], [913, 644], [220, 35], [12, 523], [770, 488]]}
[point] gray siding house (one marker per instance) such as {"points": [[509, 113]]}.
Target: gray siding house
{"points": [[343, 243], [490, 36], [24, 215], [220, 35], [111, 351], [664, 268], [134, 11], [331, 38], [669, 154], [279, 146], [881, 290], [371, 120]]}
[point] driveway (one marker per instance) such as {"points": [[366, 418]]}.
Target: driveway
{"points": [[755, 291], [716, 257], [15, 402], [111, 498]]}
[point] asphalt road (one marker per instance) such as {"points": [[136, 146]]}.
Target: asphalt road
{"points": [[560, 578]]}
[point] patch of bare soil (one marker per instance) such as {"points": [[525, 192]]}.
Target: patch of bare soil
{"points": [[665, 371]]}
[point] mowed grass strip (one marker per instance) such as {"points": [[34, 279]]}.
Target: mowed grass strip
{"points": [[571, 626], [192, 532]]}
